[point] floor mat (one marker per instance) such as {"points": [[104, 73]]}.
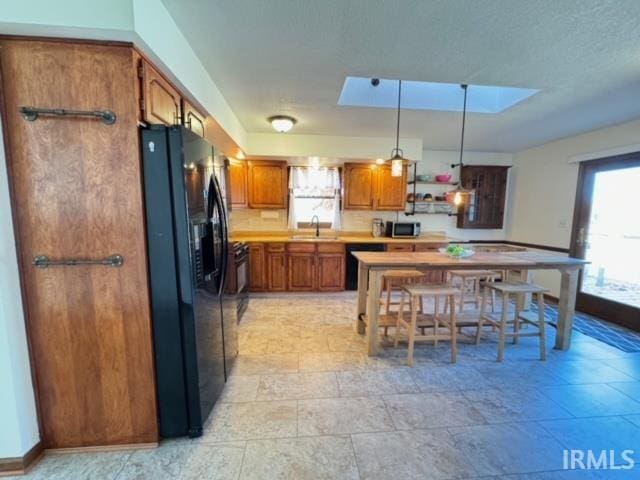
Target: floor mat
{"points": [[619, 337]]}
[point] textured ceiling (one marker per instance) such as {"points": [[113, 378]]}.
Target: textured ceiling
{"points": [[292, 57]]}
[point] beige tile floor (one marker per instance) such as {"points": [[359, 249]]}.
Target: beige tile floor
{"points": [[305, 402]]}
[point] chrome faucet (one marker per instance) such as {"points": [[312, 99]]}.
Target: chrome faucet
{"points": [[316, 220]]}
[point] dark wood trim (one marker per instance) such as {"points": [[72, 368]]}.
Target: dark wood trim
{"points": [[21, 465], [523, 244]]}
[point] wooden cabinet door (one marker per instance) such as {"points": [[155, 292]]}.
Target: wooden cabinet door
{"points": [[238, 183], [161, 102], [359, 186], [192, 118], [485, 205], [301, 272], [257, 268], [391, 192], [276, 272], [331, 270], [267, 184], [77, 193]]}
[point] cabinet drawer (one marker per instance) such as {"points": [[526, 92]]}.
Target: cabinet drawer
{"points": [[399, 247], [275, 247], [301, 247], [331, 247], [428, 247]]}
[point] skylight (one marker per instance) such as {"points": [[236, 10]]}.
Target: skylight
{"points": [[359, 92]]}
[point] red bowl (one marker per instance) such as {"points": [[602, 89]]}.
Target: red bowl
{"points": [[443, 178]]}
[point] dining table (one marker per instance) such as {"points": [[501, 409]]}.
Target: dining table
{"points": [[372, 265]]}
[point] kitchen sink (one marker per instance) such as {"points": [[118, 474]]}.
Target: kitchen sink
{"points": [[314, 238]]}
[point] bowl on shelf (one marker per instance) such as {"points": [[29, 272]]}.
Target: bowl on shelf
{"points": [[443, 178], [424, 178], [457, 251]]}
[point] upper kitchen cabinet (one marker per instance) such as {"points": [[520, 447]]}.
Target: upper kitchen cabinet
{"points": [[391, 192], [267, 184], [359, 186], [371, 187], [485, 206], [238, 183], [192, 118], [160, 101]]}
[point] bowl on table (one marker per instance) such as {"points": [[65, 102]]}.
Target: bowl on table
{"points": [[443, 178], [457, 251]]}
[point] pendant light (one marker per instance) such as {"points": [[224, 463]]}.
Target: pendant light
{"points": [[397, 160], [459, 194]]}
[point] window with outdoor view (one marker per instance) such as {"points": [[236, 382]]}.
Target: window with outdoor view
{"points": [[314, 192]]}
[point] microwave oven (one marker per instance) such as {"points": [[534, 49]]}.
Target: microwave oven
{"points": [[402, 229]]}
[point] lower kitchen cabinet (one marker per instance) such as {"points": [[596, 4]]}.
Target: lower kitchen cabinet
{"points": [[331, 272], [257, 267], [301, 272], [313, 266], [276, 272], [399, 247], [331, 267], [276, 267]]}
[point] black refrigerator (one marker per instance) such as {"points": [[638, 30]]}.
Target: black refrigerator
{"points": [[195, 343]]}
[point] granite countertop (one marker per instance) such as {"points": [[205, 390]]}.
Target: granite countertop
{"points": [[282, 237]]}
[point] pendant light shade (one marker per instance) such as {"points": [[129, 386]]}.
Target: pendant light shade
{"points": [[459, 195], [397, 159]]}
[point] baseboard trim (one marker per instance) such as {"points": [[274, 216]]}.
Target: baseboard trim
{"points": [[21, 465], [102, 448]]}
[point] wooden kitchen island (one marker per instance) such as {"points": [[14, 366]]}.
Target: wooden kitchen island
{"points": [[373, 264]]}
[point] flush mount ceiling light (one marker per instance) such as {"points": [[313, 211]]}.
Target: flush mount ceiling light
{"points": [[397, 155], [460, 194], [282, 123]]}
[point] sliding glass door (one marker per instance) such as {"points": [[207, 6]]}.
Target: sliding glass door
{"points": [[606, 231]]}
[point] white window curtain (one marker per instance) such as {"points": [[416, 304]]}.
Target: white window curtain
{"points": [[314, 182]]}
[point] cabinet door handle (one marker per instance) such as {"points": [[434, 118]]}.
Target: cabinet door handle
{"points": [[43, 261]]}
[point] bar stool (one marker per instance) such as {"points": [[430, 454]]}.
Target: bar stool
{"points": [[476, 277], [392, 281], [422, 320], [518, 320]]}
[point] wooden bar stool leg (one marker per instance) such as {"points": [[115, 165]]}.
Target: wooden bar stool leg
{"points": [[541, 327], [399, 320], [476, 290], [412, 329], [436, 325], [483, 306], [503, 325], [493, 298], [516, 321], [454, 338]]}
